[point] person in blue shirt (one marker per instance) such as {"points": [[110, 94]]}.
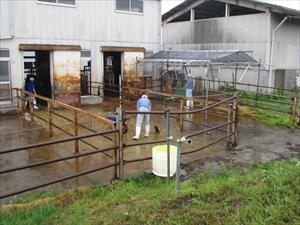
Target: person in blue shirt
{"points": [[142, 105], [30, 87], [190, 84]]}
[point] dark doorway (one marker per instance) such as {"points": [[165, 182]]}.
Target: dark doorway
{"points": [[43, 81], [37, 65], [112, 70]]}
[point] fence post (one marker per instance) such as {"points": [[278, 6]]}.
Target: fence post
{"points": [[168, 142], [294, 110], [50, 118], [178, 166], [22, 101], [229, 144], [234, 118], [181, 115], [120, 142], [30, 99], [76, 132]]}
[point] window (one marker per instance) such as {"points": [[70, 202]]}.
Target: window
{"points": [[130, 5], [58, 2], [4, 73]]}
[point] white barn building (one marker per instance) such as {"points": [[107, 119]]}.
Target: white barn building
{"points": [[66, 43]]}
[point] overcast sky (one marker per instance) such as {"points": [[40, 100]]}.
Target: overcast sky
{"points": [[295, 4]]}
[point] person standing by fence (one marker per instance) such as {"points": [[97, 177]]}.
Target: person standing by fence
{"points": [[142, 105], [190, 84], [30, 87]]}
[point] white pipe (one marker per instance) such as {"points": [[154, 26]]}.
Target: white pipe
{"points": [[6, 37], [244, 73], [272, 50]]}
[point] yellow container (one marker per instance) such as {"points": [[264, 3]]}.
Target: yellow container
{"points": [[159, 160]]}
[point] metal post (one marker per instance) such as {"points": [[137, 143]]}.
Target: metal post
{"points": [[229, 125], [22, 97], [235, 76], [76, 132], [50, 118], [178, 166], [294, 109], [120, 90], [168, 142], [181, 115], [31, 106], [120, 142], [206, 104], [234, 125], [19, 106], [258, 79]]}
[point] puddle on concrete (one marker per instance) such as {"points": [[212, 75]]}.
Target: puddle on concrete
{"points": [[257, 144]]}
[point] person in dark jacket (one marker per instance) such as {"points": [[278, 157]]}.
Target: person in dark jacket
{"points": [[30, 87]]}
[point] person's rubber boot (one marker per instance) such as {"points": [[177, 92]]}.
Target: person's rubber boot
{"points": [[34, 104], [137, 133], [147, 131]]}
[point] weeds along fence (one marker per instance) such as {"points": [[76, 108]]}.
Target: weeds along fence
{"points": [[280, 100], [118, 144]]}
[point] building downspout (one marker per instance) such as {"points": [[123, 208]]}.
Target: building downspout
{"points": [[161, 27], [272, 51], [11, 23]]}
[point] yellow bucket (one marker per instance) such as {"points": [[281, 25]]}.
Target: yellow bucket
{"points": [[159, 160]]}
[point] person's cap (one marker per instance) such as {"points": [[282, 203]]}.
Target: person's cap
{"points": [[144, 96], [31, 78]]}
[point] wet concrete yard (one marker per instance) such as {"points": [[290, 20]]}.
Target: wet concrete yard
{"points": [[257, 144]]}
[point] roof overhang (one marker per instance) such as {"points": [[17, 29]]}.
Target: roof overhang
{"points": [[121, 49], [252, 4], [41, 47], [204, 57]]}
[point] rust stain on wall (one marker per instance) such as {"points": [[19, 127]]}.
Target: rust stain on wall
{"points": [[67, 76], [131, 69]]}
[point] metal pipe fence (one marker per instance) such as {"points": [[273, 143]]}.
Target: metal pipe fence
{"points": [[118, 140]]}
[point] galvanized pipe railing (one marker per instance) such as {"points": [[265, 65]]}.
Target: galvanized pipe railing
{"points": [[58, 180]]}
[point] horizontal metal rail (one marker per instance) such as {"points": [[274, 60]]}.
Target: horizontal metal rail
{"points": [[144, 143], [80, 124], [58, 180], [77, 155], [210, 144], [198, 123], [74, 109], [69, 133], [137, 160], [208, 130], [246, 84], [46, 143], [184, 112]]}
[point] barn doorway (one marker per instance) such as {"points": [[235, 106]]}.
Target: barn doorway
{"points": [[112, 70], [37, 65]]}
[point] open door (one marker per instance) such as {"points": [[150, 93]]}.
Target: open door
{"points": [[112, 70]]}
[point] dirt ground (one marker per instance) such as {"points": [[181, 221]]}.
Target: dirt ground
{"points": [[258, 144]]}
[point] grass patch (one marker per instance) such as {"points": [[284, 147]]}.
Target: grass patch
{"points": [[265, 194], [275, 118]]}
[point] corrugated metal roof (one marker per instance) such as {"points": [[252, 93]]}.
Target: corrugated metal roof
{"points": [[205, 56], [273, 8]]}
